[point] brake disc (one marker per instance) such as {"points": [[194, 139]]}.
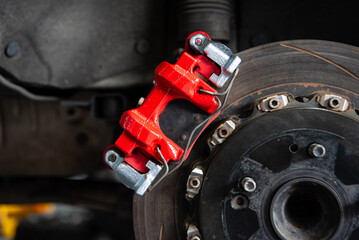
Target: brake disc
{"points": [[280, 163]]}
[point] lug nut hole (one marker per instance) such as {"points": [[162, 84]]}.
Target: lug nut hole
{"points": [[239, 202], [293, 148]]}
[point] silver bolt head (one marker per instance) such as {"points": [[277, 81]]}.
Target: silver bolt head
{"points": [[274, 103], [195, 182], [223, 132], [334, 102], [316, 150], [248, 184]]}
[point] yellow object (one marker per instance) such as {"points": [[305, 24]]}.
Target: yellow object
{"points": [[12, 214]]}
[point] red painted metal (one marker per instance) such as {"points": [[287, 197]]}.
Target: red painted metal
{"points": [[142, 133]]}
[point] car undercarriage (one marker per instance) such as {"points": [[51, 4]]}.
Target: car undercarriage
{"points": [[248, 130]]}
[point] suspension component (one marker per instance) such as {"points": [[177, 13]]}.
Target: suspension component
{"points": [[142, 138]]}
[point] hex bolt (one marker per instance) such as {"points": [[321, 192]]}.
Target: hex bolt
{"points": [[274, 103], [223, 132], [316, 150], [239, 202], [112, 158], [195, 182], [248, 184], [334, 102]]}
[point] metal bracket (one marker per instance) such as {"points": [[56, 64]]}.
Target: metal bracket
{"points": [[193, 232], [220, 54], [194, 182], [333, 102], [223, 132], [273, 103], [127, 175]]}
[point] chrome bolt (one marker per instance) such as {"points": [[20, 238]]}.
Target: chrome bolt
{"points": [[248, 184], [273, 103], [195, 182], [334, 102], [198, 41], [316, 150]]}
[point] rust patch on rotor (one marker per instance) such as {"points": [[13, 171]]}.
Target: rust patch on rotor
{"points": [[329, 88]]}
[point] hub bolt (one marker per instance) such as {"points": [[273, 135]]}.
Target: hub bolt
{"points": [[195, 182], [316, 150], [248, 184]]}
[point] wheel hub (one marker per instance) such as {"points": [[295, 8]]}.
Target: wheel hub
{"points": [[301, 208], [298, 158]]}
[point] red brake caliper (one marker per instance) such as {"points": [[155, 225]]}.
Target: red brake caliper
{"points": [[142, 138]]}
